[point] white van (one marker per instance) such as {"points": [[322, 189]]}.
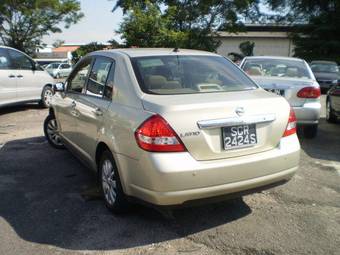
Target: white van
{"points": [[22, 80]]}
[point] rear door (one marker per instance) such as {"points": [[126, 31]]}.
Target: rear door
{"points": [[8, 80], [64, 70], [92, 105]]}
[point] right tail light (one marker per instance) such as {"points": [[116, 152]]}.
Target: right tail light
{"points": [[291, 126]]}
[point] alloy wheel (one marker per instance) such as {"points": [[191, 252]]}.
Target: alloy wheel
{"points": [[52, 132], [109, 183]]}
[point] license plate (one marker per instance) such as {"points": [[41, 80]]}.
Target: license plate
{"points": [[239, 136], [279, 92]]}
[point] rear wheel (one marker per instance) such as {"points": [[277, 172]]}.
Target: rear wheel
{"points": [[51, 132], [310, 131], [330, 116], [112, 191]]}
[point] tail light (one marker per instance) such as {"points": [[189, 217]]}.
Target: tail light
{"points": [[155, 134], [309, 92], [291, 126]]}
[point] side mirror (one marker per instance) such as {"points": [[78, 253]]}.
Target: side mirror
{"points": [[58, 87]]}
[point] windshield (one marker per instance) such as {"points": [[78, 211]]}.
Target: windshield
{"points": [[324, 68], [189, 75], [276, 67]]}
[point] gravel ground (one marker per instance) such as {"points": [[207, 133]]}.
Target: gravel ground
{"points": [[50, 205]]}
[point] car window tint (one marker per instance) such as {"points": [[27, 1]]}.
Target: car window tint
{"points": [[77, 80], [109, 87], [20, 61], [65, 66], [4, 59], [98, 77]]}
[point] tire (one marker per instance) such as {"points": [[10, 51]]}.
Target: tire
{"points": [[310, 131], [46, 97], [330, 116], [51, 132], [110, 185]]}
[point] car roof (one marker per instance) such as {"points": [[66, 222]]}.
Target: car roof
{"points": [[323, 62], [144, 52], [274, 57]]}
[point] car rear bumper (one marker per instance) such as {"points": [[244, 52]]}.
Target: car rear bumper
{"points": [[175, 178], [308, 114]]}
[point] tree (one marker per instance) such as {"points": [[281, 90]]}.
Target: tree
{"points": [[247, 48], [58, 43], [24, 23], [85, 49], [183, 23], [316, 33]]}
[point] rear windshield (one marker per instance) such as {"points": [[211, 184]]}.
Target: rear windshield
{"points": [[276, 67], [189, 75], [324, 68]]}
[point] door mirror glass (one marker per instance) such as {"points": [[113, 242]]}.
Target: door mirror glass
{"points": [[59, 87]]}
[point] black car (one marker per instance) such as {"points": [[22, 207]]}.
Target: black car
{"points": [[326, 73], [333, 104]]}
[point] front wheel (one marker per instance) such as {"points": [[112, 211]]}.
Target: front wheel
{"points": [[51, 132], [46, 97], [112, 191], [310, 131]]}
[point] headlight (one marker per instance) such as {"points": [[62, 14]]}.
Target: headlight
{"points": [[335, 82]]}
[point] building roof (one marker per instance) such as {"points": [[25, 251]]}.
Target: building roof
{"points": [[260, 31]]}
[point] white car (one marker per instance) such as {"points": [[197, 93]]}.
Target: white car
{"points": [[293, 79], [22, 80], [59, 70]]}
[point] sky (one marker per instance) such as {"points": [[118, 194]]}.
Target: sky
{"points": [[98, 24]]}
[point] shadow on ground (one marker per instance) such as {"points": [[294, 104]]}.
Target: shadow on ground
{"points": [[48, 197], [20, 108], [319, 147]]}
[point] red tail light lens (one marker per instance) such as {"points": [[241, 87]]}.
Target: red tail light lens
{"points": [[291, 126], [156, 135], [309, 92]]}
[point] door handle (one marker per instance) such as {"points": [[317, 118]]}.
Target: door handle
{"points": [[98, 112], [11, 76], [20, 76]]}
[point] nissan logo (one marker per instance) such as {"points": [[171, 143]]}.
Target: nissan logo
{"points": [[239, 111]]}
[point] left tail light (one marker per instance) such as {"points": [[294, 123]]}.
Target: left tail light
{"points": [[309, 92], [156, 135]]}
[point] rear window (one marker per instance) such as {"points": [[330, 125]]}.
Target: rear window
{"points": [[189, 75], [276, 67]]}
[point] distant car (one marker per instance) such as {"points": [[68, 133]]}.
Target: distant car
{"points": [[59, 70], [293, 79], [172, 126], [22, 80], [326, 73], [333, 104]]}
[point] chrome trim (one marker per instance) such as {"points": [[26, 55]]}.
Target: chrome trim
{"points": [[233, 121]]}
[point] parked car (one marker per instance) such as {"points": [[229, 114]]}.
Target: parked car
{"points": [[326, 73], [22, 80], [293, 79], [172, 126], [59, 70], [333, 103]]}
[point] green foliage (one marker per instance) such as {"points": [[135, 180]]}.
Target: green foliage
{"points": [[316, 33], [182, 23], [24, 23], [247, 48], [85, 49]]}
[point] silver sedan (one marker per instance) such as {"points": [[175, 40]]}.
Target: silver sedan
{"points": [[293, 79]]}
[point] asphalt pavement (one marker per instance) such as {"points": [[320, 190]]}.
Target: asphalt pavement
{"points": [[49, 204]]}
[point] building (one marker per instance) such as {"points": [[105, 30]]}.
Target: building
{"points": [[269, 39]]}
